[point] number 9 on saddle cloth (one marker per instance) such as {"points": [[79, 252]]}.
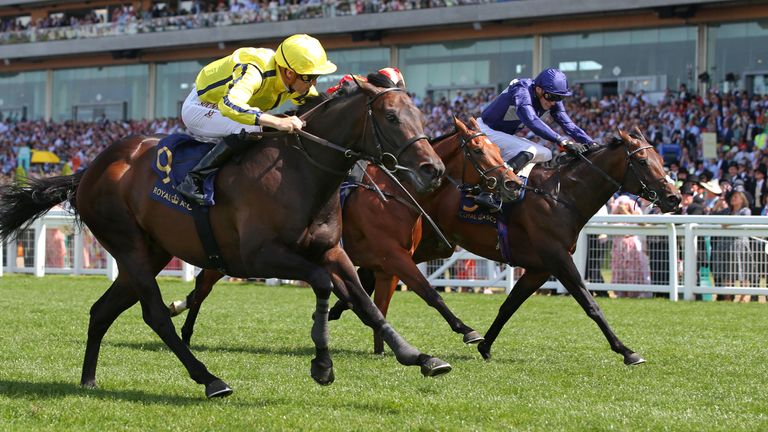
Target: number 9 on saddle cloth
{"points": [[176, 155]]}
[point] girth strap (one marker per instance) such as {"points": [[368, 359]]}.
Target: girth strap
{"points": [[211, 248]]}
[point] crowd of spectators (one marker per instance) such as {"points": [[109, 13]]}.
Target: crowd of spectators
{"points": [[674, 125], [127, 19]]}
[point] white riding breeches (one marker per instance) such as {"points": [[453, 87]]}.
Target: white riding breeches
{"points": [[511, 145], [205, 122]]}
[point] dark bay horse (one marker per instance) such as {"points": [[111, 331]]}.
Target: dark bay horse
{"points": [[543, 229], [470, 159], [277, 215]]}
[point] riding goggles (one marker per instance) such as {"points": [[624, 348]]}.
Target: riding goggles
{"points": [[553, 97], [307, 78]]}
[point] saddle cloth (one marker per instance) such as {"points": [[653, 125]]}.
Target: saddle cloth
{"points": [[176, 155]]}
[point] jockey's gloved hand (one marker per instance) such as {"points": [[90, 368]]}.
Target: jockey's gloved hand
{"points": [[572, 147]]}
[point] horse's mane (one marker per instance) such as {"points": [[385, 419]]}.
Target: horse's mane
{"points": [[432, 141]]}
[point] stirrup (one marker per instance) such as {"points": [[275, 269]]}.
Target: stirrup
{"points": [[190, 191], [488, 201]]}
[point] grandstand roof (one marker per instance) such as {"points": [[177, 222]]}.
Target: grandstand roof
{"points": [[514, 18]]}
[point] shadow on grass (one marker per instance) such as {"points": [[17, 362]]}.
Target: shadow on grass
{"points": [[54, 390], [306, 351], [283, 351]]}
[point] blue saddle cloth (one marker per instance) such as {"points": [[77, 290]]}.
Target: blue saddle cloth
{"points": [[473, 213], [176, 155]]}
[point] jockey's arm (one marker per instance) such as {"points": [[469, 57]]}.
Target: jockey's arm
{"points": [[528, 116], [246, 81], [570, 128]]}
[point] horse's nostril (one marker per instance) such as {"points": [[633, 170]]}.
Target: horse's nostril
{"points": [[510, 184], [431, 171]]}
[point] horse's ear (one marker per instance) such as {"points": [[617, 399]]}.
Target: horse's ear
{"points": [[369, 89], [624, 135], [459, 124], [473, 122], [637, 130]]}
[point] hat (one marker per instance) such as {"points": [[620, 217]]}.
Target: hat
{"points": [[713, 187], [693, 178], [686, 189]]}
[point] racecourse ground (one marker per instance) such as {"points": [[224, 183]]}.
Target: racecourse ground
{"points": [[552, 369]]}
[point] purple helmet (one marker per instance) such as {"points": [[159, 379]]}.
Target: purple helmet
{"points": [[553, 81]]}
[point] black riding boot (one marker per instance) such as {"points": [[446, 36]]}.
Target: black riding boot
{"points": [[516, 163], [192, 186], [519, 161]]}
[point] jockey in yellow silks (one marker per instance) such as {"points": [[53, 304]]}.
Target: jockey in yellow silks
{"points": [[232, 93]]}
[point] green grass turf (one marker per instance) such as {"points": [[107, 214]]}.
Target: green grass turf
{"points": [[552, 369]]}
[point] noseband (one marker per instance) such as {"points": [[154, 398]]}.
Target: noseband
{"points": [[645, 192], [490, 182], [386, 159]]}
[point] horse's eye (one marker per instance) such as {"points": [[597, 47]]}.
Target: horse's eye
{"points": [[644, 162], [392, 118], [478, 150]]}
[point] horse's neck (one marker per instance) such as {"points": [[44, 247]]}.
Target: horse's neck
{"points": [[450, 153], [586, 188]]}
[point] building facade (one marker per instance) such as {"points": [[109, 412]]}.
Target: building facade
{"points": [[145, 68]]}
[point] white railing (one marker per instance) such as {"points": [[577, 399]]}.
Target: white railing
{"points": [[676, 240], [43, 249], [681, 236]]}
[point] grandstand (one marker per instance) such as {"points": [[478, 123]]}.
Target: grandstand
{"points": [[85, 60]]}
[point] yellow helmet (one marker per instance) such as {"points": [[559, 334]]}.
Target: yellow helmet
{"points": [[304, 55]]}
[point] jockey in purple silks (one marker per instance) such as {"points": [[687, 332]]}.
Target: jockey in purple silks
{"points": [[524, 104]]}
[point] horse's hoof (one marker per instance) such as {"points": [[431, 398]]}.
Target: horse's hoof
{"points": [[89, 384], [177, 307], [334, 314], [433, 367], [217, 388], [473, 337], [633, 359], [484, 350], [322, 375]]}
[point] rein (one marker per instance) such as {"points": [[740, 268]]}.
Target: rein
{"points": [[378, 160], [645, 191]]}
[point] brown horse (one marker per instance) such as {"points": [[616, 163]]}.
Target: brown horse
{"points": [[543, 228], [277, 215], [468, 156]]}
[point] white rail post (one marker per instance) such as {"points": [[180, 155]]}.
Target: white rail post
{"points": [[674, 275], [1, 259], [112, 269], [39, 260], [689, 263], [10, 250], [78, 250], [580, 254], [510, 279], [187, 271]]}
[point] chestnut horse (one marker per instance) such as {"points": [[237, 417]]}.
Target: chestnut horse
{"points": [[542, 229], [277, 215], [470, 160]]}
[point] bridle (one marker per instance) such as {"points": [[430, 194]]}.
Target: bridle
{"points": [[645, 191], [388, 161], [382, 158], [492, 183]]}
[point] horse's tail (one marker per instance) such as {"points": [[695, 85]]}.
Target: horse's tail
{"points": [[20, 205]]}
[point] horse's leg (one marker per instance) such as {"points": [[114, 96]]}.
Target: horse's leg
{"points": [[112, 303], [367, 279], [571, 279], [525, 286], [403, 267], [343, 272], [117, 299], [137, 260], [203, 286], [384, 290]]}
